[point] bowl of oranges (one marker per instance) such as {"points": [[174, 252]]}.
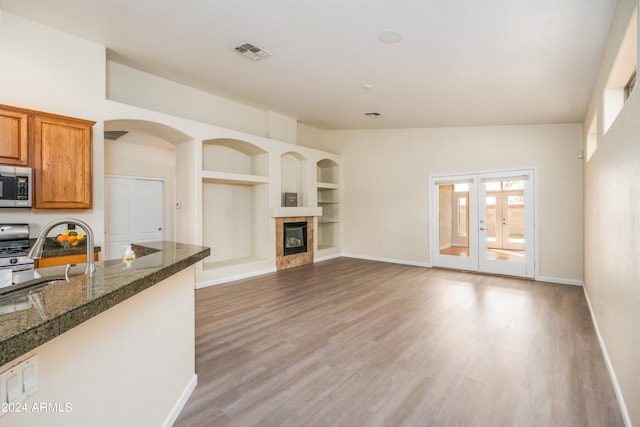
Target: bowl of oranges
{"points": [[69, 239]]}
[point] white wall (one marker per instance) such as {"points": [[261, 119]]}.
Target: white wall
{"points": [[612, 227], [134, 87], [47, 70], [386, 186]]}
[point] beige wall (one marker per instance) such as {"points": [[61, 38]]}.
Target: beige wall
{"points": [[386, 186], [612, 228]]}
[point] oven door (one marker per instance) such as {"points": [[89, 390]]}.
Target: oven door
{"points": [[12, 275]]}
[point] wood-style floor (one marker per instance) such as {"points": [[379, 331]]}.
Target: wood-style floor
{"points": [[352, 343], [501, 254]]}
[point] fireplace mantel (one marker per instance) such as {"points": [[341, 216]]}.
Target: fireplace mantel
{"points": [[287, 212]]}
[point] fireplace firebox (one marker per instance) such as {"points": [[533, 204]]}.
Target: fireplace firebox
{"points": [[295, 237]]}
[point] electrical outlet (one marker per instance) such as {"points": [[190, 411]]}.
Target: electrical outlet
{"points": [[19, 382], [601, 307]]}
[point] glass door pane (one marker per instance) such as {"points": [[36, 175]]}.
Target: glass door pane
{"points": [[454, 202], [494, 227], [453, 219], [513, 227], [505, 224]]}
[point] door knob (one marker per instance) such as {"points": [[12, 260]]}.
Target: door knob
{"points": [[483, 229]]}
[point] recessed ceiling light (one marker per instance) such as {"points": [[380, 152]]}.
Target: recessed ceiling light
{"points": [[367, 86], [252, 51], [390, 36]]}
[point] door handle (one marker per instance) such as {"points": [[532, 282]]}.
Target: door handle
{"points": [[483, 229]]}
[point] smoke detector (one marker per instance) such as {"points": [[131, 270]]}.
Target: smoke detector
{"points": [[252, 51]]}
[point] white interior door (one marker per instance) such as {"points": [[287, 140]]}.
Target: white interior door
{"points": [[134, 212], [484, 222]]}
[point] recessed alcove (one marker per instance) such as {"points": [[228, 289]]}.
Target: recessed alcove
{"points": [[295, 177], [235, 203], [328, 196], [234, 156]]}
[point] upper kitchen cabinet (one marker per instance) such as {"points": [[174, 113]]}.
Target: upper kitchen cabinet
{"points": [[61, 157], [13, 136]]}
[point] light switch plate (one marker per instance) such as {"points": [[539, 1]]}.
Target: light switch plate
{"points": [[19, 382]]}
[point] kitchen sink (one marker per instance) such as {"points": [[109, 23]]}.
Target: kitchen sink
{"points": [[29, 285]]}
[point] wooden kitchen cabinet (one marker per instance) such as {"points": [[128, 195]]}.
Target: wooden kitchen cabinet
{"points": [[61, 158], [13, 136]]}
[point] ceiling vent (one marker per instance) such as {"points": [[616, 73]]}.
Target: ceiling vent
{"points": [[114, 134], [252, 51]]}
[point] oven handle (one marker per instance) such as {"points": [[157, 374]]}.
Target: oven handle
{"points": [[16, 268]]}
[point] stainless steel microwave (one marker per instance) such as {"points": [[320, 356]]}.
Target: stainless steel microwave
{"points": [[15, 187]]}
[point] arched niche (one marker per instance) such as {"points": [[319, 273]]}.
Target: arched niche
{"points": [[135, 149], [234, 156], [127, 128], [294, 179], [327, 172]]}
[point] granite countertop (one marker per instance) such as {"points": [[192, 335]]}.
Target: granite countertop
{"points": [[30, 317]]}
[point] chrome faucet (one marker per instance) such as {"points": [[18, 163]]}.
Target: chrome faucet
{"points": [[38, 246]]}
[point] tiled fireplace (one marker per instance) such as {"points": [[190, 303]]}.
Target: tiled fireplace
{"points": [[294, 241]]}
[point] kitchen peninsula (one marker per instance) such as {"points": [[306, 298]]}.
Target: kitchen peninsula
{"points": [[115, 348]]}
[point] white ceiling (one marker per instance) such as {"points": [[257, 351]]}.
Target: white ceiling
{"points": [[464, 62]]}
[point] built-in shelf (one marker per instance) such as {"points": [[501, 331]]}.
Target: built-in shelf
{"points": [[234, 178], [235, 207], [328, 197], [327, 186]]}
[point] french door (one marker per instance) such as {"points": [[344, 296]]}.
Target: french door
{"points": [[484, 222]]}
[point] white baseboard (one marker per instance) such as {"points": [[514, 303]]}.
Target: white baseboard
{"points": [[177, 408], [607, 361], [226, 279], [560, 281], [390, 260], [326, 258]]}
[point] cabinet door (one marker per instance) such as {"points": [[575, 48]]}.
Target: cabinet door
{"points": [[62, 162], [13, 136]]}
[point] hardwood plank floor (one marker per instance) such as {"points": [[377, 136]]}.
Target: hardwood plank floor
{"points": [[349, 342]]}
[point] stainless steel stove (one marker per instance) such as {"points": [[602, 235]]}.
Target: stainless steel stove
{"points": [[14, 247]]}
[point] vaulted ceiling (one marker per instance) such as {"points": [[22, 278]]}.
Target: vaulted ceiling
{"points": [[442, 63]]}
